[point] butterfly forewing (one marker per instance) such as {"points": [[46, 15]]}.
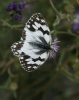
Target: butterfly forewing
{"points": [[36, 31], [38, 26]]}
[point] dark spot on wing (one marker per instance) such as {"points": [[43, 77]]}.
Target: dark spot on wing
{"points": [[41, 59], [43, 40], [26, 66], [16, 46], [34, 19], [44, 32]]}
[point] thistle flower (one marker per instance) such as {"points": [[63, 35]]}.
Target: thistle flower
{"points": [[54, 47], [15, 10]]}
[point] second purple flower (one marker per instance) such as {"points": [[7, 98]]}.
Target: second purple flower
{"points": [[15, 10]]}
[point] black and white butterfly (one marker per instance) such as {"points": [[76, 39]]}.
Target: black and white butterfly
{"points": [[36, 44]]}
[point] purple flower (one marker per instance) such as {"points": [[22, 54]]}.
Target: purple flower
{"points": [[75, 26], [54, 47], [19, 12], [16, 10], [17, 17], [15, 5], [10, 7], [21, 5]]}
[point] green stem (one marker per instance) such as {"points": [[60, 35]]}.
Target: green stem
{"points": [[69, 75], [60, 60], [64, 32], [77, 40], [55, 9]]}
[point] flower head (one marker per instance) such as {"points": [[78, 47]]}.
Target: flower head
{"points": [[18, 17], [21, 5], [75, 26], [54, 47], [15, 10], [10, 7]]}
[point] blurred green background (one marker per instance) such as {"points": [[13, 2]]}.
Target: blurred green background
{"points": [[58, 78]]}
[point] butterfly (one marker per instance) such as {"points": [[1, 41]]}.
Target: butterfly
{"points": [[35, 45]]}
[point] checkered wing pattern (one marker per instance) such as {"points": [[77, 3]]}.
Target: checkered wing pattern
{"points": [[36, 31]]}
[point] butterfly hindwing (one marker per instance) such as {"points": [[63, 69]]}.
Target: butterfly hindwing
{"points": [[30, 64], [15, 47]]}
